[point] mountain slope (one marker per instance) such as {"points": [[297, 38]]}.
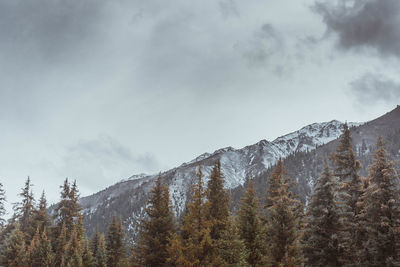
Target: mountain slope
{"points": [[303, 152], [128, 198]]}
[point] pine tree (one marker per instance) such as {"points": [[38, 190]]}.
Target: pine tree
{"points": [[61, 247], [217, 203], [381, 212], [283, 221], [176, 253], [41, 217], [194, 246], [230, 248], [250, 227], [87, 256], [99, 250], [2, 208], [24, 210], [14, 250], [349, 192], [40, 251], [157, 228], [46, 252], [74, 251], [68, 209], [322, 225], [33, 252], [115, 244]]}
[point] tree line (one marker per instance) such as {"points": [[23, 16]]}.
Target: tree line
{"points": [[348, 221]]}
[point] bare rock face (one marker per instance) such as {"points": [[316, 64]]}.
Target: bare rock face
{"points": [[303, 152]]}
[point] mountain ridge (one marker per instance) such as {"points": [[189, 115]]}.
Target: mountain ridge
{"points": [[238, 165]]}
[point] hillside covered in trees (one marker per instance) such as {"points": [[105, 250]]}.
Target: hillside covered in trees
{"points": [[350, 220]]}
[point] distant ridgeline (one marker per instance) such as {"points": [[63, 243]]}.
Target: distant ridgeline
{"points": [[324, 195]]}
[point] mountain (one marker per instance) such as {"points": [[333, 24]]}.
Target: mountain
{"points": [[303, 152]]}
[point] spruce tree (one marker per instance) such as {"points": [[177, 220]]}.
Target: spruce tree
{"points": [[41, 216], [230, 248], [322, 223], [61, 247], [196, 242], [157, 228], [24, 210], [14, 252], [283, 219], [115, 244], [46, 252], [99, 250], [2, 208], [217, 203], [250, 227], [176, 253], [87, 255], [380, 212], [67, 212], [74, 251], [346, 168]]}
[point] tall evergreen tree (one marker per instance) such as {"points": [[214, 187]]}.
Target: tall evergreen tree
{"points": [[380, 212], [230, 248], [115, 244], [74, 251], [250, 227], [195, 241], [87, 255], [41, 216], [68, 209], [2, 208], [349, 192], [24, 210], [40, 251], [157, 228], [46, 252], [14, 250], [61, 247], [99, 250], [217, 203], [284, 214], [322, 223]]}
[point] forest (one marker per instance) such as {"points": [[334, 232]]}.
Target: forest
{"points": [[349, 220]]}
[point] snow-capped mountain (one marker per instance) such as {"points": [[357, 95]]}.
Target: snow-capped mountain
{"points": [[237, 166], [303, 152]]}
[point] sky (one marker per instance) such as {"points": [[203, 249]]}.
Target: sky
{"points": [[99, 90]]}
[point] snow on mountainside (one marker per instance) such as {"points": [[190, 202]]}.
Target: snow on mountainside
{"points": [[129, 196]]}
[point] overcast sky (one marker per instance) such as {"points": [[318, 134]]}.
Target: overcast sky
{"points": [[98, 90]]}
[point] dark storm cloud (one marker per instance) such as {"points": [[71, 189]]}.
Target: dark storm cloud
{"points": [[373, 88], [363, 24]]}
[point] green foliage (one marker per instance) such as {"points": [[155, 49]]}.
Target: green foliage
{"points": [[250, 227], [157, 228], [346, 169], [99, 250], [115, 244], [322, 223], [217, 203], [13, 250], [24, 210], [284, 214], [380, 213]]}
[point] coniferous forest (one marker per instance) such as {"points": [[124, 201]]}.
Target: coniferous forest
{"points": [[349, 221]]}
